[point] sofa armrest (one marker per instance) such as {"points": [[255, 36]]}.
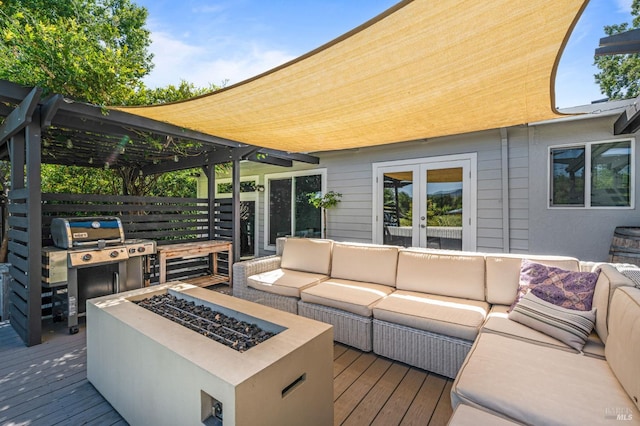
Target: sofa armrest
{"points": [[243, 270], [610, 279]]}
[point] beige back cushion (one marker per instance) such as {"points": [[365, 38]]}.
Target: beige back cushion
{"points": [[450, 274], [367, 263], [503, 273], [608, 280], [308, 255], [623, 346]]}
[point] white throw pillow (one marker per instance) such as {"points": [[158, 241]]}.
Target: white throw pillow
{"points": [[570, 326]]}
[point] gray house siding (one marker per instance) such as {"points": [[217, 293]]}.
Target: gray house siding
{"points": [[525, 225], [351, 173], [584, 233]]}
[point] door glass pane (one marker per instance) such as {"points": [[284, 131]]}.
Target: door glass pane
{"points": [[610, 174], [398, 208], [308, 218], [444, 208], [279, 209], [568, 177]]}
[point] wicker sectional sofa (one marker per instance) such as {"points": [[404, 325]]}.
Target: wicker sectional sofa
{"points": [[446, 312]]}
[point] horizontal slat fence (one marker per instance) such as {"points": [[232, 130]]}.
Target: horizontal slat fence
{"points": [[18, 258], [167, 220]]}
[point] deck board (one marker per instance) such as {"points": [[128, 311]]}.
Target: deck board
{"points": [[399, 402], [369, 407], [353, 396], [344, 360], [47, 385], [345, 379], [426, 401]]}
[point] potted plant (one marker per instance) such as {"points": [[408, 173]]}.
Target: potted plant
{"points": [[324, 202]]}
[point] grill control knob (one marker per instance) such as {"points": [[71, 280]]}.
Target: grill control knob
{"points": [[132, 250], [141, 249], [114, 254], [86, 257]]}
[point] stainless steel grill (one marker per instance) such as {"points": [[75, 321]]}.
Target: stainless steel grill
{"points": [[91, 258]]}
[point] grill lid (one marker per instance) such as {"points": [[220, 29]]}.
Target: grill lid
{"points": [[86, 231]]}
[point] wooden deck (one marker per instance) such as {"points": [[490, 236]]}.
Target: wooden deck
{"points": [[47, 385]]}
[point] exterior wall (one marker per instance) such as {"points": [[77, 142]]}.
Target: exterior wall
{"points": [[579, 232], [526, 225], [350, 173]]}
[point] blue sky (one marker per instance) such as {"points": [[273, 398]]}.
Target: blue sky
{"points": [[218, 41]]}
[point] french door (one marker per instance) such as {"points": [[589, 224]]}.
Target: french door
{"points": [[426, 203]]}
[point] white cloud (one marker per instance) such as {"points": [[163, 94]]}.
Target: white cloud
{"points": [[201, 65], [624, 6], [213, 8]]}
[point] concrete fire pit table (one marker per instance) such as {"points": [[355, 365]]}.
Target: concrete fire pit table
{"points": [[155, 371]]}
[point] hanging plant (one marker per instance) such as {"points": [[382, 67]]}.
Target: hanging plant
{"points": [[324, 202]]}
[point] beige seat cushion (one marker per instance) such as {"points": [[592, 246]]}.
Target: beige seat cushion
{"points": [[497, 322], [466, 415], [284, 282], [538, 385], [365, 262], [503, 273], [446, 274], [623, 346], [307, 255], [450, 316], [352, 296]]}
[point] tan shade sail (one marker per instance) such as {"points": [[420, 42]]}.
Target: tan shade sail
{"points": [[424, 68]]}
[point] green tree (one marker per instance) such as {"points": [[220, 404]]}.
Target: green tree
{"points": [[93, 51], [90, 50], [619, 76], [76, 180], [170, 93]]}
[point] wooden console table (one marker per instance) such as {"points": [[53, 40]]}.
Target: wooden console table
{"points": [[197, 249]]}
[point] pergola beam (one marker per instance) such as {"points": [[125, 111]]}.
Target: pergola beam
{"points": [[258, 157], [207, 158], [21, 115], [627, 42], [629, 120], [294, 156], [49, 110], [145, 124]]}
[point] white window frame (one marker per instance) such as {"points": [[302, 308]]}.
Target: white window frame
{"points": [[267, 190], [587, 178]]}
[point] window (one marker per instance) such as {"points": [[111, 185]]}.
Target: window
{"points": [[224, 186], [597, 174], [289, 211]]}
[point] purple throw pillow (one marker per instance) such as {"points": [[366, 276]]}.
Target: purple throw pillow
{"points": [[568, 289]]}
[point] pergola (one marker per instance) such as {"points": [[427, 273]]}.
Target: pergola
{"points": [[55, 130]]}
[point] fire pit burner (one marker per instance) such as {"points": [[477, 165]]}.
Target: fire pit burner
{"points": [[236, 334]]}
